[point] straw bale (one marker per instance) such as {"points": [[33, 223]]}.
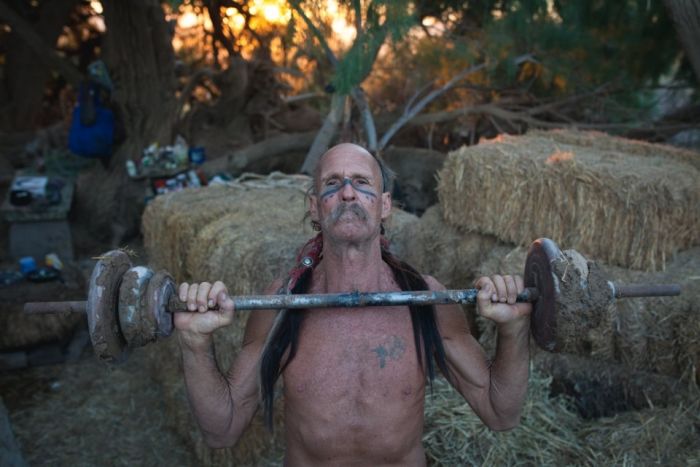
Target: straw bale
{"points": [[18, 330], [624, 204], [660, 334], [172, 222], [605, 142], [436, 248], [655, 334], [22, 330]]}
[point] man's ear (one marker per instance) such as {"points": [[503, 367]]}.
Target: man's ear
{"points": [[313, 207], [386, 205]]}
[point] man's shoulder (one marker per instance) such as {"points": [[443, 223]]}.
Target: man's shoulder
{"points": [[433, 284]]}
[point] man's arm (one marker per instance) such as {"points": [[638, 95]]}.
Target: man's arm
{"points": [[223, 404], [495, 390]]}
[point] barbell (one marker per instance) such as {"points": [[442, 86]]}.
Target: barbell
{"points": [[131, 306]]}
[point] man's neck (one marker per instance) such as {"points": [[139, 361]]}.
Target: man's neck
{"points": [[352, 267]]}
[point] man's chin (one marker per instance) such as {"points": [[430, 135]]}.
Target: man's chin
{"points": [[349, 229]]}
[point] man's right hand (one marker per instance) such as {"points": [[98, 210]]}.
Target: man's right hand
{"points": [[210, 308]]}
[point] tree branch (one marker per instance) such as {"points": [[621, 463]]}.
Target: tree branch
{"points": [[410, 112], [314, 30], [358, 96], [325, 134]]}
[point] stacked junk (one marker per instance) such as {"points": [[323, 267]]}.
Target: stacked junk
{"points": [[624, 392]]}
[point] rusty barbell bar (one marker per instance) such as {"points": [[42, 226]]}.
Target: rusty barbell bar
{"points": [[132, 306]]}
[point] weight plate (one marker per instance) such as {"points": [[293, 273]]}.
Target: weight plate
{"points": [[160, 288], [539, 274], [102, 314], [132, 294]]}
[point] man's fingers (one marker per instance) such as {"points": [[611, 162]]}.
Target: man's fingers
{"points": [[182, 291], [214, 293], [511, 289], [225, 302], [203, 296], [519, 283], [192, 297], [486, 291], [501, 294]]}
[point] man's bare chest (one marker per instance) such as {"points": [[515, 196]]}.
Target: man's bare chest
{"points": [[356, 353]]}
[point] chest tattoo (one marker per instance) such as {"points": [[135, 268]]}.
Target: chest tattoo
{"points": [[392, 349]]}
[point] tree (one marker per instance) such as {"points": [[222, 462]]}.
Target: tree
{"points": [[686, 17], [31, 57], [140, 57]]}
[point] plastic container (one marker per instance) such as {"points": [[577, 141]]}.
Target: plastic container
{"points": [[197, 155], [27, 265]]}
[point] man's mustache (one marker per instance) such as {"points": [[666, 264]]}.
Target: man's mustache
{"points": [[354, 208]]}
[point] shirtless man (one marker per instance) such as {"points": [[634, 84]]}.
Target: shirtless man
{"points": [[354, 387]]}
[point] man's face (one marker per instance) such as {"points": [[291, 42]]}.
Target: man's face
{"points": [[349, 203]]}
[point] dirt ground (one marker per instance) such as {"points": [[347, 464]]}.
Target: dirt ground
{"points": [[66, 408]]}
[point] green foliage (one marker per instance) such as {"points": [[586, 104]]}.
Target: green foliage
{"points": [[382, 19], [586, 43]]}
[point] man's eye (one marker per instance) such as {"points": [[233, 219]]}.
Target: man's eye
{"points": [[332, 182], [362, 181]]}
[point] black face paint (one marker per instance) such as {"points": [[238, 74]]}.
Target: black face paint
{"points": [[331, 190]]}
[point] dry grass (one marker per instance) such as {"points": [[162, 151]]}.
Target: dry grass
{"points": [[454, 435], [89, 414], [624, 203], [658, 436]]}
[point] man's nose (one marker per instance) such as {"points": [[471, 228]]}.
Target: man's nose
{"points": [[347, 192]]}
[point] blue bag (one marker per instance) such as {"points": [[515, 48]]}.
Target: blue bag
{"points": [[92, 127]]}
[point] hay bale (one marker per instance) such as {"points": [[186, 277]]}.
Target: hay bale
{"points": [[436, 248], [617, 201], [247, 235], [171, 223], [657, 334], [20, 330], [660, 334]]}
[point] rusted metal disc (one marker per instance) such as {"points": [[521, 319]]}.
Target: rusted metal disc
{"points": [[539, 274], [132, 301], [160, 288], [103, 296]]}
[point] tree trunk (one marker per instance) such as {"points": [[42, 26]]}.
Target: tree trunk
{"points": [[686, 17], [140, 58], [242, 159], [325, 134], [31, 57]]}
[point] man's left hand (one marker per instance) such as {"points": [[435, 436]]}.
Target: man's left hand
{"points": [[496, 299]]}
